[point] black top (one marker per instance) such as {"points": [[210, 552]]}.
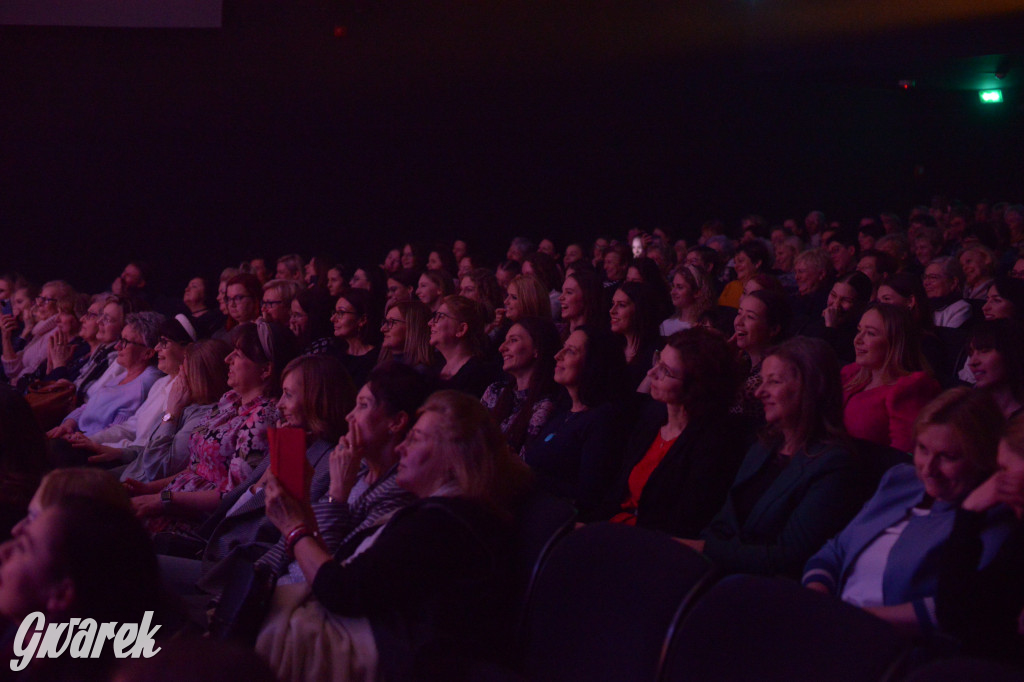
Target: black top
{"points": [[473, 377], [437, 574], [578, 454], [359, 366], [690, 485], [981, 606]]}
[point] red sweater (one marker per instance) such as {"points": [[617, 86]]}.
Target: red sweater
{"points": [[886, 414]]}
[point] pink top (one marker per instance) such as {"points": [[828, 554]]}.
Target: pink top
{"points": [[886, 414]]}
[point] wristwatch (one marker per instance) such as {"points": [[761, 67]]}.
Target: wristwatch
{"points": [[165, 498]]}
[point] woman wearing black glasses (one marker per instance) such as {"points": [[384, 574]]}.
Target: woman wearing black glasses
{"points": [[685, 448], [406, 330], [356, 324], [457, 332]]}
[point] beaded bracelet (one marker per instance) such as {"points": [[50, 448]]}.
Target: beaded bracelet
{"points": [[296, 534]]}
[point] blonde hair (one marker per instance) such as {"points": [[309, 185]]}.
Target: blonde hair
{"points": [[976, 422], [475, 451], [533, 296], [903, 355], [206, 373]]}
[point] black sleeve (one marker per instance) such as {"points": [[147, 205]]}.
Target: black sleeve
{"points": [[421, 552]]}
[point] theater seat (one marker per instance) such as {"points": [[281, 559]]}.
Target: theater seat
{"points": [[604, 602], [770, 629]]}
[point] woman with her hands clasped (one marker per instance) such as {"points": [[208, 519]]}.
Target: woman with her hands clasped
{"points": [[436, 571]]}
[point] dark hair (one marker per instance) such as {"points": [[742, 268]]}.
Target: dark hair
{"points": [[318, 306], [545, 269], [282, 348], [710, 371], [470, 313], [1003, 336], [646, 313], [107, 555], [594, 310], [885, 262], [488, 290], [821, 392], [250, 283], [906, 285], [757, 252], [444, 252], [603, 377], [362, 302], [419, 254], [544, 336], [407, 278], [778, 311], [1013, 291], [322, 264], [399, 387], [378, 280]]}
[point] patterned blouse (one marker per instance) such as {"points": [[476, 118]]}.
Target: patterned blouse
{"points": [[223, 450], [540, 413]]}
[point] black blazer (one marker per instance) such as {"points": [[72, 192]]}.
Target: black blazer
{"points": [[690, 484]]}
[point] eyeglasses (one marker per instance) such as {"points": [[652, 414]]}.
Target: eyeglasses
{"points": [[342, 313], [236, 299], [660, 369], [269, 304], [45, 299], [107, 319], [438, 316], [164, 342], [123, 342], [389, 323]]}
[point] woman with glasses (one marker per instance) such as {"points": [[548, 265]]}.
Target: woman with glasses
{"points": [[310, 321], [111, 444], [44, 325], [357, 327], [406, 330], [226, 447], [243, 297], [276, 305], [118, 399], [457, 332], [685, 448]]}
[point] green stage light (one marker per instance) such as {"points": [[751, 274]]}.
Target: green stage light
{"points": [[990, 96]]}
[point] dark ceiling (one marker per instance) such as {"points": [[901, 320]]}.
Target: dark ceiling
{"points": [[347, 126]]}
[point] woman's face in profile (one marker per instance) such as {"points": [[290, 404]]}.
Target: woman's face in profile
{"points": [[780, 391], [941, 464], [421, 467], [27, 580]]}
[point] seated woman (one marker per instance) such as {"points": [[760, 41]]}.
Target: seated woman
{"points": [[363, 491], [578, 452], [43, 326], [480, 285], [204, 318], [685, 448], [277, 297], [761, 321], [849, 296], [886, 388], [887, 559], [106, 445], [457, 332], [978, 263], [811, 274], [435, 572], [119, 399], [801, 484], [905, 289], [981, 605], [751, 258], [582, 301], [66, 345], [1004, 299], [80, 558], [401, 286], [226, 446], [523, 402], [545, 268], [526, 297], [357, 327], [943, 282], [997, 364], [316, 395], [691, 295], [243, 294], [310, 321], [432, 287], [406, 329], [634, 316]]}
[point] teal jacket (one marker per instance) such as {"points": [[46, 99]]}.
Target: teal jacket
{"points": [[812, 499]]}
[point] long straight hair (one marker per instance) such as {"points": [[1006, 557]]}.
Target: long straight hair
{"points": [[904, 352]]}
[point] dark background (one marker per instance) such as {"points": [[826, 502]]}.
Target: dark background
{"points": [[348, 127]]}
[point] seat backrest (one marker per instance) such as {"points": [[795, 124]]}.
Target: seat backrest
{"points": [[765, 629], [604, 603], [542, 520], [963, 669]]}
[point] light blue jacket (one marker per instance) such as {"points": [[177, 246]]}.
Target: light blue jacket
{"points": [[912, 570]]}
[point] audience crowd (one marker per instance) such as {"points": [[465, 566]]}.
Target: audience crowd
{"points": [[839, 404]]}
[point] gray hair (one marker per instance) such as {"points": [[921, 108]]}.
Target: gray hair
{"points": [[147, 324], [286, 289], [950, 267]]}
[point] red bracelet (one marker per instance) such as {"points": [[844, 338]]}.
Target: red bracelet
{"points": [[295, 535]]}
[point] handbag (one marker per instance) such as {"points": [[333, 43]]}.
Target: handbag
{"points": [[50, 401]]}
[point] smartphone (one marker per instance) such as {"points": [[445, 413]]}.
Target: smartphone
{"points": [[288, 459], [5, 307]]}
